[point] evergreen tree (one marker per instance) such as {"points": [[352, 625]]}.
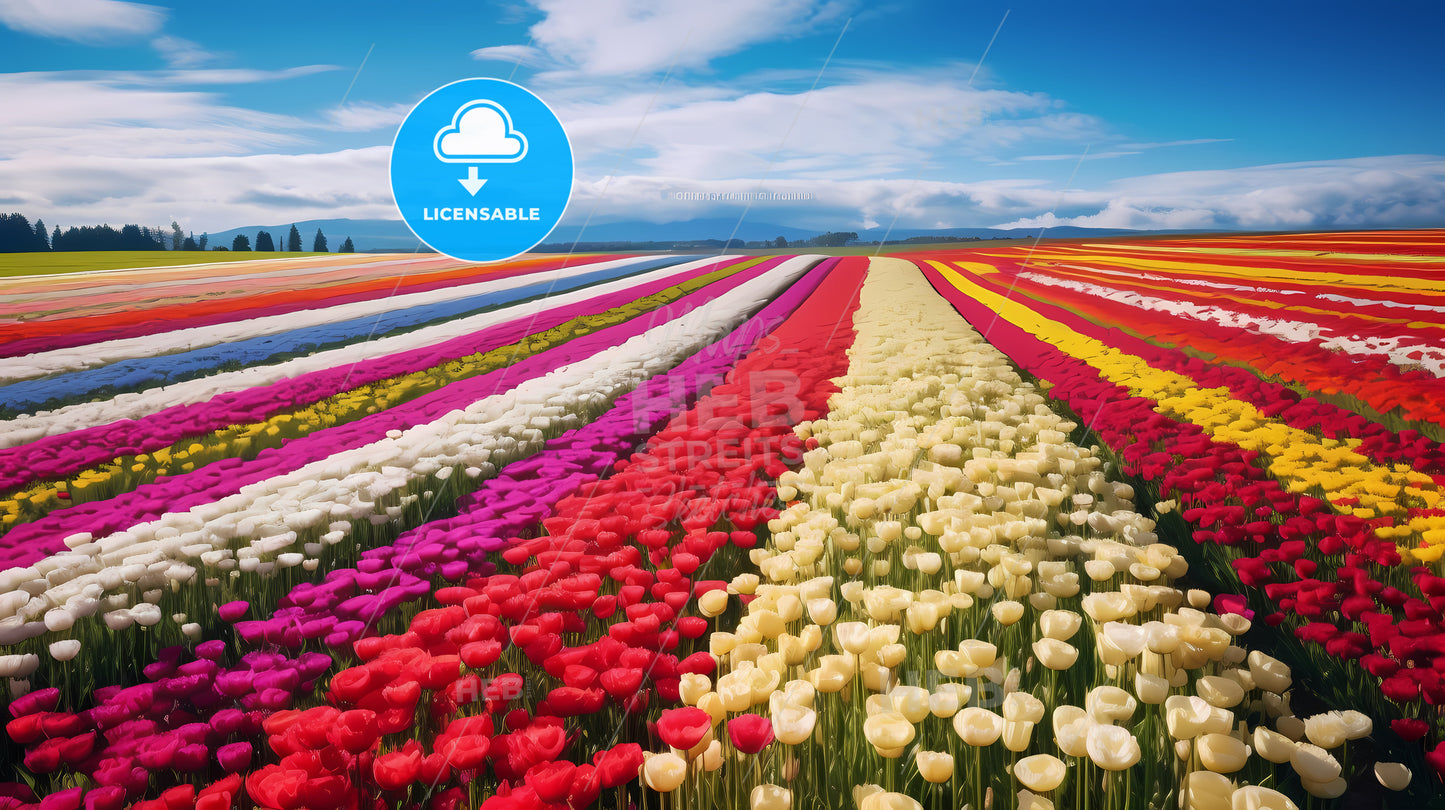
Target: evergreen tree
{"points": [[16, 235], [264, 243], [346, 247], [240, 242], [318, 245], [293, 241], [41, 243], [54, 236], [177, 238], [190, 244], [201, 243]]}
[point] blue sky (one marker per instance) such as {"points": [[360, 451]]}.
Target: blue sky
{"points": [[1144, 114]]}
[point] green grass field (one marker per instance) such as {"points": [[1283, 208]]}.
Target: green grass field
{"points": [[30, 264]]}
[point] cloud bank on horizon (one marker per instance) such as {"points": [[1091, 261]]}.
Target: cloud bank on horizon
{"points": [[925, 116]]}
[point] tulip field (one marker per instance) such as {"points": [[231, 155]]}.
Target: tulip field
{"points": [[1125, 525]]}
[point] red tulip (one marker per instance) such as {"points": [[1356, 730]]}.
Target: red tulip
{"points": [[618, 765], [397, 769], [551, 780], [1409, 729], [354, 731], [750, 733], [683, 728]]}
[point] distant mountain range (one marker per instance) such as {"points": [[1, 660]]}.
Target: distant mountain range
{"points": [[392, 234]]}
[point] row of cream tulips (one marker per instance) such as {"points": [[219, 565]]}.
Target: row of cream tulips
{"points": [[285, 521], [942, 484]]}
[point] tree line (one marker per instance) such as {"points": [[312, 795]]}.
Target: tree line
{"points": [[17, 235]]}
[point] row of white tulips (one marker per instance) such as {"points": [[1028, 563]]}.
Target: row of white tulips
{"points": [[136, 405], [284, 521], [91, 355], [929, 538], [1404, 351]]}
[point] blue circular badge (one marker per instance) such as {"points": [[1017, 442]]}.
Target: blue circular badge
{"points": [[481, 170]]}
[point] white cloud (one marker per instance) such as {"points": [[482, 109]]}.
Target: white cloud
{"points": [[81, 20], [872, 123], [618, 37], [181, 53], [524, 55], [366, 117], [49, 115], [203, 193], [1391, 190]]}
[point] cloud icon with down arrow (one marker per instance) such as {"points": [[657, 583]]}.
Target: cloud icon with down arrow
{"points": [[481, 131]]}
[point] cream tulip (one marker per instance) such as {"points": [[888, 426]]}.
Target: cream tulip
{"points": [[889, 801], [770, 797], [1204, 790], [1269, 673], [1110, 704], [1055, 654], [948, 698], [1222, 753], [1333, 789], [1254, 797], [1219, 691], [1023, 706], [1326, 730], [1393, 775], [978, 726], [888, 730], [851, 636], [910, 701], [1040, 773], [1314, 763], [1017, 734], [980, 654], [664, 773], [1060, 624], [1112, 748], [1151, 689], [1007, 612], [1272, 745], [793, 724], [935, 767]]}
